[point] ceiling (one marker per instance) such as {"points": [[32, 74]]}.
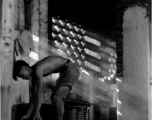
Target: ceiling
{"points": [[98, 15]]}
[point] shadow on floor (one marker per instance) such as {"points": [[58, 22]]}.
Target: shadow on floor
{"points": [[74, 110], [47, 111]]}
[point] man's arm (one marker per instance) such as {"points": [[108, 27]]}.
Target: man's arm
{"points": [[32, 99], [40, 90], [32, 102]]}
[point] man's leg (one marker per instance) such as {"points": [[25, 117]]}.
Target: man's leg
{"points": [[57, 96]]}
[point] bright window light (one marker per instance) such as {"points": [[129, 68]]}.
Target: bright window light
{"points": [[108, 78], [119, 101], [92, 66], [34, 55], [119, 80], [101, 79], [119, 113], [92, 53], [84, 71], [54, 20], [76, 28], [117, 90], [93, 41], [61, 22], [35, 38], [65, 31]]}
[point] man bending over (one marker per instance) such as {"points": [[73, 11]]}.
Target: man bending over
{"points": [[69, 74]]}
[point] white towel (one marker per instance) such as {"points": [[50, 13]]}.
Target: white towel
{"points": [[25, 41]]}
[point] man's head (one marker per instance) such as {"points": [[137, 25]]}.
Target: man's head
{"points": [[21, 69]]}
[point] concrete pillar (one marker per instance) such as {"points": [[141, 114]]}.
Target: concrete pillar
{"points": [[150, 89], [135, 85], [6, 57]]}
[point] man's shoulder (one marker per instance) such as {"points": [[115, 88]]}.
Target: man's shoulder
{"points": [[56, 59], [36, 67]]}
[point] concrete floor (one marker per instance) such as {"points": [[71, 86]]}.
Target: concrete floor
{"points": [[46, 111]]}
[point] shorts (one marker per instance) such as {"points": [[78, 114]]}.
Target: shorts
{"points": [[69, 75]]}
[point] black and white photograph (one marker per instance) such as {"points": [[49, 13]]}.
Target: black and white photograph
{"points": [[75, 60]]}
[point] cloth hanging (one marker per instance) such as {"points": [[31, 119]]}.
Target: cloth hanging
{"points": [[24, 43], [18, 48]]}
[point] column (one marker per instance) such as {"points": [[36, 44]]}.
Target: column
{"points": [[6, 57]]}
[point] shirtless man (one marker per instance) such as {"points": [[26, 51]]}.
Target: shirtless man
{"points": [[69, 74]]}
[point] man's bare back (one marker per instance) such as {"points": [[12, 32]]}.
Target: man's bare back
{"points": [[50, 65], [69, 75]]}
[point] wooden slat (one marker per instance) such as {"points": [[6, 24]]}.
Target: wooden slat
{"points": [[7, 46]]}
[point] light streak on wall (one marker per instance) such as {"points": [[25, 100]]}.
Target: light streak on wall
{"points": [[84, 71], [35, 38], [92, 66], [93, 41], [119, 113], [119, 80], [84, 50], [92, 53], [119, 102], [34, 55], [108, 50]]}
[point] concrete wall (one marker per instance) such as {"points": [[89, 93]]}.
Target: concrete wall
{"points": [[134, 88]]}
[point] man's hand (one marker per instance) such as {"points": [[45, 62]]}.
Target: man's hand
{"points": [[25, 117], [37, 116]]}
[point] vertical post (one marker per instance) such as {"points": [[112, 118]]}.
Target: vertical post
{"points": [[0, 46], [150, 82], [134, 89], [6, 57], [43, 29]]}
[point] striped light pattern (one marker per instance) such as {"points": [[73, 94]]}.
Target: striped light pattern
{"points": [[84, 49]]}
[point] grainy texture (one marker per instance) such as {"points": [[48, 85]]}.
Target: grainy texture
{"points": [[6, 55], [134, 88], [43, 31], [19, 15]]}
